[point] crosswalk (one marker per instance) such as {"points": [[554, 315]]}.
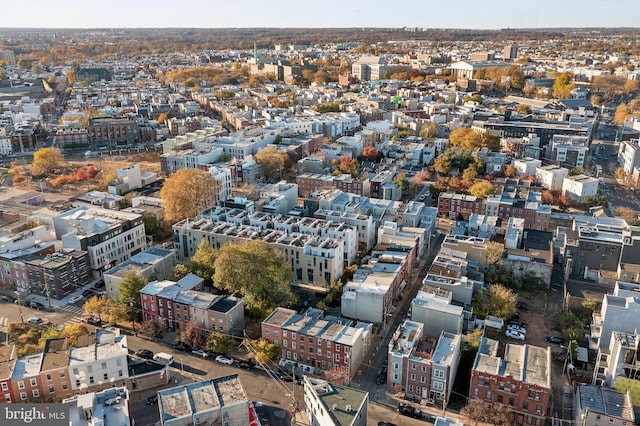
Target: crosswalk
{"points": [[4, 321], [76, 310]]}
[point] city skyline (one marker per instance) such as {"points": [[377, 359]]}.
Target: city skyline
{"points": [[467, 14]]}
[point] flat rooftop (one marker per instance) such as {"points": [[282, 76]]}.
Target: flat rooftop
{"points": [[342, 403]]}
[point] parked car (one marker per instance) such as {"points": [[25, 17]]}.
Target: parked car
{"points": [[522, 305], [87, 293], [201, 352], [553, 339], [152, 400], [36, 305], [99, 284], [514, 335], [408, 410], [6, 299], [45, 324], [517, 328], [381, 378], [517, 322], [92, 320], [246, 365], [182, 347], [144, 353], [34, 320], [224, 360], [74, 299]]}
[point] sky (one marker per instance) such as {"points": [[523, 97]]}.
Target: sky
{"points": [[474, 14]]}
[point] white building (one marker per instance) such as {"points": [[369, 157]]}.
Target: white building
{"points": [[99, 361], [579, 187], [628, 156], [515, 233], [436, 313], [526, 166], [222, 176], [551, 176], [110, 237], [329, 404]]}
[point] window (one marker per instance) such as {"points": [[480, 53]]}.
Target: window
{"points": [[91, 381], [438, 374], [62, 375], [293, 335], [319, 351], [276, 342], [36, 393], [499, 399], [475, 392], [396, 365], [284, 343], [48, 377], [284, 333], [538, 409], [275, 333], [34, 382], [23, 395], [424, 368], [293, 345], [413, 365], [511, 402], [103, 365], [438, 386], [64, 386], [266, 330], [51, 389], [525, 405], [337, 348], [77, 382], [413, 377], [119, 373], [310, 340], [106, 376], [5, 387], [337, 357], [329, 344], [488, 396], [422, 379], [220, 319]]}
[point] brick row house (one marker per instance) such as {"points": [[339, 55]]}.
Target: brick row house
{"points": [[313, 343], [177, 303], [520, 379]]}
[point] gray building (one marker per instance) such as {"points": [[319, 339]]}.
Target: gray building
{"points": [[58, 274]]}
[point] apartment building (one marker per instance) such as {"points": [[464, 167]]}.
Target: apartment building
{"points": [[579, 187], [551, 176], [527, 166], [113, 132], [221, 400], [26, 384], [472, 248], [617, 314], [331, 404], [58, 274], [154, 263], [520, 380], [110, 237], [315, 262], [596, 405], [317, 344], [433, 308], [520, 203], [629, 155], [421, 366]]}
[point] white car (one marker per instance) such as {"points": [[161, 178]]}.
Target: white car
{"points": [[75, 299], [224, 360], [201, 352], [517, 328], [514, 335], [34, 320]]}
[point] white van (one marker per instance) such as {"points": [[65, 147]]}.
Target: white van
{"points": [[164, 358]]}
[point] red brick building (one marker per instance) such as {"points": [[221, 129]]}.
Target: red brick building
{"points": [[451, 205], [521, 380]]}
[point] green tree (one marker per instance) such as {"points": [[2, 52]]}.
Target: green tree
{"points": [[255, 271], [262, 350], [187, 192], [563, 86], [179, 272], [497, 300], [129, 297], [203, 260], [45, 160], [220, 343], [402, 181]]}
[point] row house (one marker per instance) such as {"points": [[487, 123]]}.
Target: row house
{"points": [[520, 379], [314, 261], [157, 300], [113, 132], [98, 361], [315, 344], [451, 205], [423, 367], [7, 360], [520, 204], [596, 405]]}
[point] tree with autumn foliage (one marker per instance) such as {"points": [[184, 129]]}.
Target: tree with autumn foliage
{"points": [[193, 335], [563, 86], [272, 161], [262, 350], [510, 171], [371, 153], [45, 160], [472, 140], [187, 192], [349, 165]]}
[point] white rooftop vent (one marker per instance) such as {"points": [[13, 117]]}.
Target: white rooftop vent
{"points": [[334, 407], [348, 408]]}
